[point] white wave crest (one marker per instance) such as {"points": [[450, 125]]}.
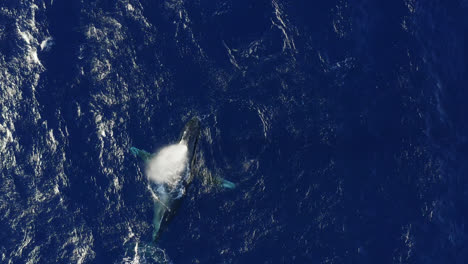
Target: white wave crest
{"points": [[168, 165]]}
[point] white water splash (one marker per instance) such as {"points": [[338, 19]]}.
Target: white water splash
{"points": [[169, 164]]}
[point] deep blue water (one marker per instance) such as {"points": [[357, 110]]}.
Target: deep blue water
{"points": [[343, 124]]}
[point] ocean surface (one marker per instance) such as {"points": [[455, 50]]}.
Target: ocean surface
{"points": [[343, 124]]}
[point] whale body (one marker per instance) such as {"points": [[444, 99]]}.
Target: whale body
{"points": [[170, 193], [170, 173]]}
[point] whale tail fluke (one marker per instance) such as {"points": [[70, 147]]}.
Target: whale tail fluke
{"points": [[227, 184]]}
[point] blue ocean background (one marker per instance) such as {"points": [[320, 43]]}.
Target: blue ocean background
{"points": [[343, 124]]}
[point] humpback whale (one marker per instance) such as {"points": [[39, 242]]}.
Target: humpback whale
{"points": [[169, 172]]}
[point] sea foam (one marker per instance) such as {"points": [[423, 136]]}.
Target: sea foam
{"points": [[169, 164]]}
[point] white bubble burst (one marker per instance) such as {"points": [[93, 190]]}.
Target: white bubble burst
{"points": [[168, 166]]}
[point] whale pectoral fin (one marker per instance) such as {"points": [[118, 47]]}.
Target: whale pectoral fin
{"points": [[140, 153], [227, 184], [224, 183], [218, 181]]}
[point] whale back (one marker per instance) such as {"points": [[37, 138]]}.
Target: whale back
{"points": [[166, 210], [190, 135]]}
